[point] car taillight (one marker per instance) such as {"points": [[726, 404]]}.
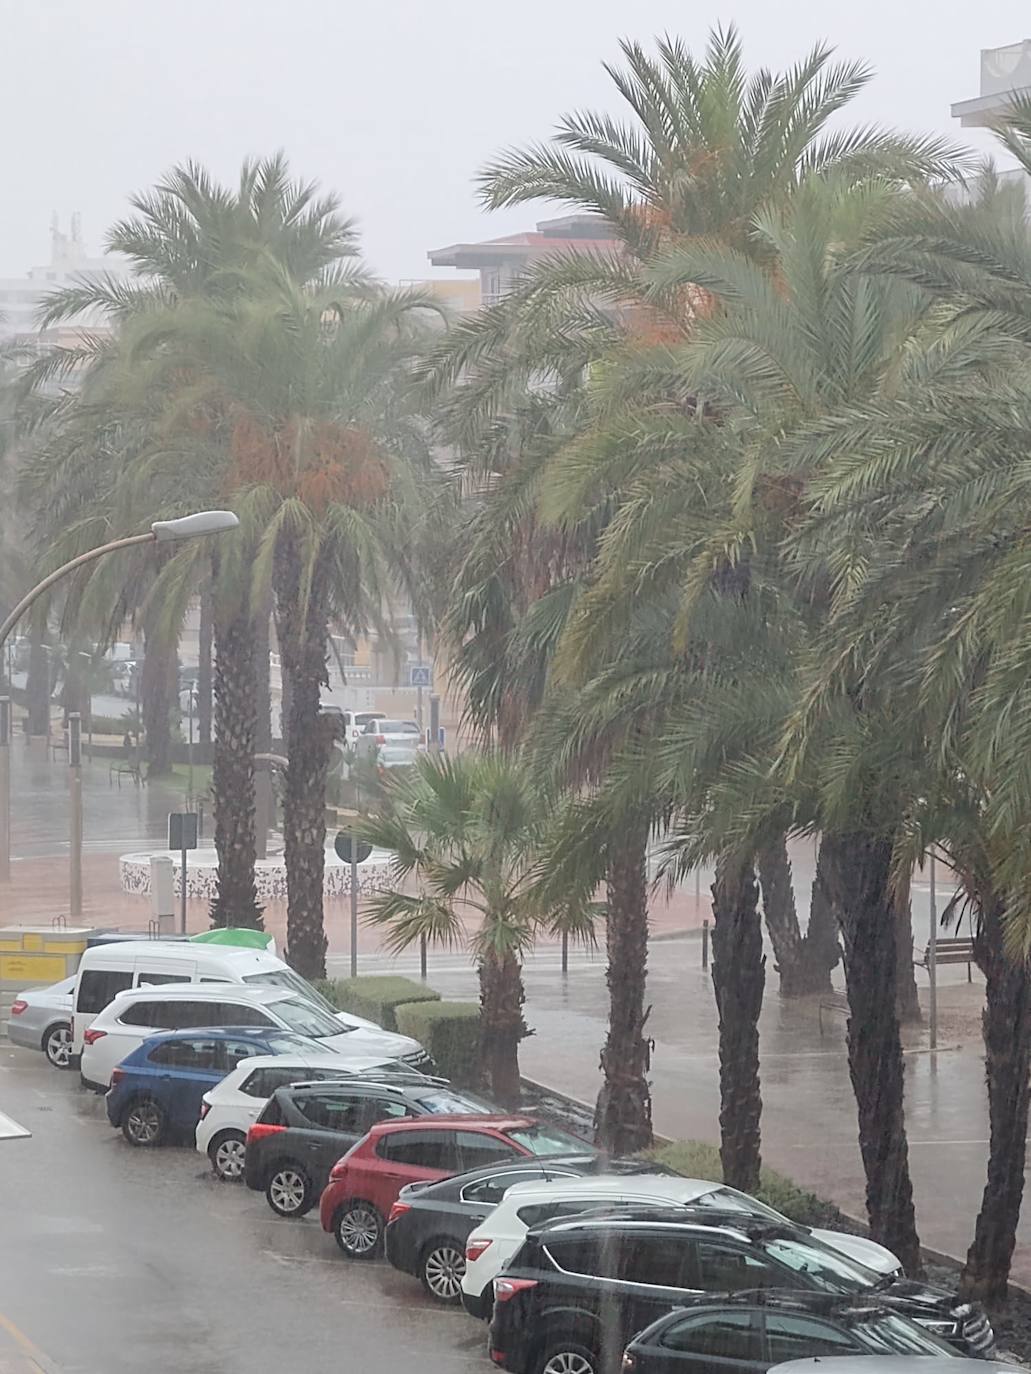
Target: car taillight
{"points": [[381, 739], [205, 1107], [18, 1007], [261, 1131], [398, 1210], [506, 1289], [475, 1249], [338, 1170], [92, 1036], [116, 1076]]}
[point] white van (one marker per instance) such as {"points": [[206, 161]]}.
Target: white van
{"points": [[107, 970]]}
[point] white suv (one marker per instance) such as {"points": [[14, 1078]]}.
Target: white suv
{"points": [[379, 730], [493, 1243], [139, 1012], [230, 1108]]}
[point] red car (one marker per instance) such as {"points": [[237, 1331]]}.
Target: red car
{"points": [[363, 1186]]}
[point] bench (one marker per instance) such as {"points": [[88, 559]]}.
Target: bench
{"points": [[836, 1002], [125, 768], [953, 951]]}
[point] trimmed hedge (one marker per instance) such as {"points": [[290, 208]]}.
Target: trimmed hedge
{"points": [[450, 1031], [698, 1159], [375, 998]]}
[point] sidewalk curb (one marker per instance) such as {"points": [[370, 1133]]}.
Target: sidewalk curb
{"points": [[926, 1251]]}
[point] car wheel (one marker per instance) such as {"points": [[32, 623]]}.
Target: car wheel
{"points": [[144, 1123], [226, 1153], [441, 1270], [358, 1228], [567, 1357], [57, 1046], [289, 1191]]}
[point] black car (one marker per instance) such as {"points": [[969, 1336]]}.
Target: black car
{"points": [[749, 1332], [306, 1127], [578, 1290], [430, 1223]]}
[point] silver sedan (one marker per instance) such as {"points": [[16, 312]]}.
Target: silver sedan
{"points": [[41, 1019]]}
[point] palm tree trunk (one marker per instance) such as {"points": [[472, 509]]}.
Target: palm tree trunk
{"points": [[804, 963], [502, 1026], [822, 949], [205, 684], [1006, 1025], [858, 878], [302, 626], [907, 998], [263, 732], [738, 977], [623, 1112], [157, 696], [37, 685], [235, 688]]}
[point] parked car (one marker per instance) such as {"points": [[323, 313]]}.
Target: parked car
{"points": [[897, 1364], [618, 1272], [749, 1332], [381, 730], [114, 966], [231, 1107], [41, 1019], [134, 1015], [157, 1090], [429, 1224], [305, 1128], [365, 1184], [493, 1243], [392, 757]]}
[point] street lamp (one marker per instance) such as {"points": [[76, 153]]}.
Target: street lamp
{"points": [[161, 532]]}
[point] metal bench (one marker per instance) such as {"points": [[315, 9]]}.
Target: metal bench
{"points": [[953, 951], [125, 768], [836, 1002]]}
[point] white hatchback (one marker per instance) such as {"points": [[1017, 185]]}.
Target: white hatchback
{"points": [[493, 1243], [139, 1012], [231, 1107]]}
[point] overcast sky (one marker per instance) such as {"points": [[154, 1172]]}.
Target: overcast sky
{"points": [[394, 103]]}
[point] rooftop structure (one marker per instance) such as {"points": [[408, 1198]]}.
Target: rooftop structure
{"points": [[1005, 73]]}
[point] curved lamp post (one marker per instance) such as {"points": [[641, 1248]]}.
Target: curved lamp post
{"points": [[161, 532]]}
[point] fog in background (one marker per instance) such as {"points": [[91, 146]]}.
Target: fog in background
{"points": [[394, 104]]}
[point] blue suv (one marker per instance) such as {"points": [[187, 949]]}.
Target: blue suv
{"points": [[157, 1090]]}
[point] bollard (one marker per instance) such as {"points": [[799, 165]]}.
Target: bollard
{"points": [[422, 957], [705, 944], [565, 953]]}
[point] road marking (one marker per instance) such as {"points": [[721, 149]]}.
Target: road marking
{"points": [[27, 1347], [949, 1142]]}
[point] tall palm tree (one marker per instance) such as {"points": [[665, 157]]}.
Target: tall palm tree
{"points": [[470, 831], [192, 239]]}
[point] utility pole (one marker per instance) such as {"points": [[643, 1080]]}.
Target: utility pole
{"points": [[5, 789], [75, 803], [932, 951]]}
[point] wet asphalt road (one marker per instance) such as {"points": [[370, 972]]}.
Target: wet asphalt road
{"points": [[114, 1259]]}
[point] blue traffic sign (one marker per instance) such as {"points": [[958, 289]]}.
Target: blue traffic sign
{"points": [[420, 675]]}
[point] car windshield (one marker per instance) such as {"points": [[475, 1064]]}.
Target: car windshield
{"points": [[890, 1332], [293, 982], [440, 1102], [288, 1042], [398, 727], [828, 1269], [305, 1019], [730, 1200], [547, 1140]]}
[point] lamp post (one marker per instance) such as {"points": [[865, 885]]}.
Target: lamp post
{"points": [[161, 532]]}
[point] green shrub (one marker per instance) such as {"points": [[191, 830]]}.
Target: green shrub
{"points": [[375, 998], [450, 1031], [698, 1159]]}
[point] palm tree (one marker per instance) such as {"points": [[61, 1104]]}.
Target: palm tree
{"points": [[323, 446], [192, 239], [470, 831]]}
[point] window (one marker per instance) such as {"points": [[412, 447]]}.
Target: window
{"points": [[272, 1114], [235, 1014], [333, 1111], [723, 1266], [824, 1268], [730, 1335], [730, 1200], [218, 980], [478, 1149], [662, 1259], [443, 1102], [421, 1150], [491, 1190], [98, 986], [142, 1014], [797, 1338], [292, 982], [264, 1082], [187, 1054], [594, 1255], [235, 1050], [154, 980], [539, 1212], [306, 1019], [385, 1109], [548, 1140], [891, 1332]]}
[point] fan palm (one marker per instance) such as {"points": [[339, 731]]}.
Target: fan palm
{"points": [[470, 831]]}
